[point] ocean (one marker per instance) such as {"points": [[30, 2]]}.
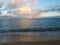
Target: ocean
{"points": [[35, 23], [30, 24]]}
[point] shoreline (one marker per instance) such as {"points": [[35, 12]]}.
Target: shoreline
{"points": [[52, 42]]}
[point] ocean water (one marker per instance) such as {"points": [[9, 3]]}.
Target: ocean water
{"points": [[36, 23], [10, 24]]}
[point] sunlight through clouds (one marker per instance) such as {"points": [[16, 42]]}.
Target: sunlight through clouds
{"points": [[18, 7], [33, 8]]}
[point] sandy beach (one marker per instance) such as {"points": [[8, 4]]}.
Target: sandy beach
{"points": [[30, 38]]}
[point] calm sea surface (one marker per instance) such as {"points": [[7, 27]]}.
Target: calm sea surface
{"points": [[8, 24]]}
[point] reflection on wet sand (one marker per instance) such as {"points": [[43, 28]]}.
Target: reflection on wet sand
{"points": [[15, 38], [29, 36], [26, 38]]}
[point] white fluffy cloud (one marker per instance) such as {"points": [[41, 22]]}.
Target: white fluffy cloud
{"points": [[21, 3]]}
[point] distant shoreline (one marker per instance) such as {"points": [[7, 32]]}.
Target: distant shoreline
{"points": [[18, 17]]}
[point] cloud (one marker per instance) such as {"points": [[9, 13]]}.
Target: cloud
{"points": [[52, 9], [47, 14], [25, 6], [21, 3], [1, 3]]}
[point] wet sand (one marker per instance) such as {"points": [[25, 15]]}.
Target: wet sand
{"points": [[30, 38], [52, 42]]}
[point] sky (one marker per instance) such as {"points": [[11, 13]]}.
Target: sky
{"points": [[47, 7]]}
